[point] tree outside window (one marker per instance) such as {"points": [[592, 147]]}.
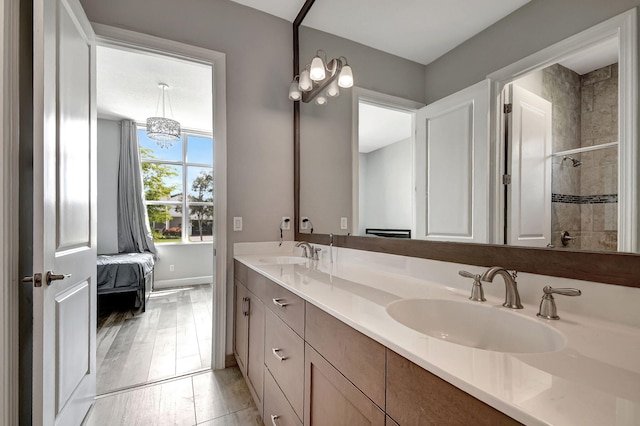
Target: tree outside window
{"points": [[187, 164]]}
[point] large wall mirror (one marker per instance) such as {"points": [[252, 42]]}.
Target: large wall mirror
{"points": [[422, 158]]}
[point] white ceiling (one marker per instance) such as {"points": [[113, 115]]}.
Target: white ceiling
{"points": [[379, 127], [593, 57], [419, 30], [127, 86]]}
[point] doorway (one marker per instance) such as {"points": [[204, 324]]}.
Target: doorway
{"points": [[383, 152], [171, 332]]}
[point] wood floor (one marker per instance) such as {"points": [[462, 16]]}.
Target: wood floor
{"points": [[213, 398], [171, 338]]}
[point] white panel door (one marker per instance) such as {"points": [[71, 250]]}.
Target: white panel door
{"points": [[64, 225], [452, 167], [529, 195]]}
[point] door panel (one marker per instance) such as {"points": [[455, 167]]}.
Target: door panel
{"points": [[74, 196], [64, 223], [529, 203], [452, 167], [72, 335]]}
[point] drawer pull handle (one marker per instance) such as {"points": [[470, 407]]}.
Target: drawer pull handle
{"points": [[275, 353], [273, 420], [245, 306], [278, 302]]}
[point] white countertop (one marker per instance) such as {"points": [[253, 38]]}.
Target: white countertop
{"points": [[593, 380]]}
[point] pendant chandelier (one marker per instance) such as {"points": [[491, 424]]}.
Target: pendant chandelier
{"points": [[162, 129], [321, 79]]}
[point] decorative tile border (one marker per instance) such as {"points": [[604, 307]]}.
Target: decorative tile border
{"points": [[584, 199]]}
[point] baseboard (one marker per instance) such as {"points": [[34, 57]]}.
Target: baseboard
{"points": [[182, 282]]}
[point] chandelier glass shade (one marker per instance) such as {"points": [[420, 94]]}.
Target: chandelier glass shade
{"points": [[162, 129]]}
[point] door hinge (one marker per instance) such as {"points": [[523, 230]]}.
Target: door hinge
{"points": [[508, 108], [506, 179]]}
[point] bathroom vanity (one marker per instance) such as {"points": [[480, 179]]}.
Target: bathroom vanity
{"points": [[351, 342]]}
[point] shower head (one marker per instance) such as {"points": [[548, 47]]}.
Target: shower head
{"points": [[574, 162]]}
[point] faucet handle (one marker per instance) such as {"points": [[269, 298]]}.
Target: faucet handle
{"points": [[468, 275], [316, 250], [548, 304], [564, 291], [477, 292]]}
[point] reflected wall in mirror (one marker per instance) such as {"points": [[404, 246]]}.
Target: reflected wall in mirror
{"points": [[578, 202]]}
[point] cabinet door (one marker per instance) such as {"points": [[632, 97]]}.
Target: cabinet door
{"points": [[255, 363], [241, 326], [415, 397], [331, 399]]}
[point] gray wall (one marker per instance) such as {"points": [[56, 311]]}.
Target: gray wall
{"points": [[533, 27], [108, 157], [386, 187], [326, 131], [259, 114]]}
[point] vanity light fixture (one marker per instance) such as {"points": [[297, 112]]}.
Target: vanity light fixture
{"points": [[162, 129], [305, 84], [321, 79], [317, 67], [294, 91]]}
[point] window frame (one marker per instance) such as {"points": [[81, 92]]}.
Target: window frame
{"points": [[184, 164]]}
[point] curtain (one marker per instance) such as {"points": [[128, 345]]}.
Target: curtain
{"points": [[134, 233]]}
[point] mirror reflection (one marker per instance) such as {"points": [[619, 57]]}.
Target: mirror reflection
{"points": [[380, 163]]}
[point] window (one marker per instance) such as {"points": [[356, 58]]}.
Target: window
{"points": [[168, 174]]}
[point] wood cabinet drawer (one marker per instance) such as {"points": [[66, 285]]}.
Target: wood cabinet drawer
{"points": [[360, 358], [418, 397], [277, 411], [331, 399], [286, 305], [284, 357]]}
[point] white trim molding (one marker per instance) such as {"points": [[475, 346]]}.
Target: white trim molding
{"points": [[624, 28], [182, 282], [126, 39], [9, 281]]}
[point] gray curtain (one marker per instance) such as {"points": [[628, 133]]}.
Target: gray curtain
{"points": [[134, 233]]}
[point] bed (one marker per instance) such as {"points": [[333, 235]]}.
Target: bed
{"points": [[124, 273], [389, 233]]}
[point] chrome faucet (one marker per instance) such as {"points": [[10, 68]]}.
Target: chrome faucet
{"points": [[548, 308], [512, 297], [308, 251]]}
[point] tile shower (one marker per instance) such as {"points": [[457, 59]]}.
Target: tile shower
{"points": [[584, 182]]}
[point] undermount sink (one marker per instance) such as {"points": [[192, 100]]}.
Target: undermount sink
{"points": [[477, 326], [283, 260]]}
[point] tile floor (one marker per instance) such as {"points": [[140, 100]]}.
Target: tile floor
{"points": [[211, 398]]}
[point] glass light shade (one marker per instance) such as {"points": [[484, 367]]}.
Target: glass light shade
{"points": [[346, 77], [321, 100], [317, 69], [164, 130], [305, 81], [294, 92], [333, 90]]}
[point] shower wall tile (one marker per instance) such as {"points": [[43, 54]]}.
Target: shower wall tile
{"points": [[604, 73], [611, 217], [586, 216]]}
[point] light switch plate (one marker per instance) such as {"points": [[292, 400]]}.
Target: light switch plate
{"points": [[304, 224], [343, 223], [286, 225], [237, 223]]}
